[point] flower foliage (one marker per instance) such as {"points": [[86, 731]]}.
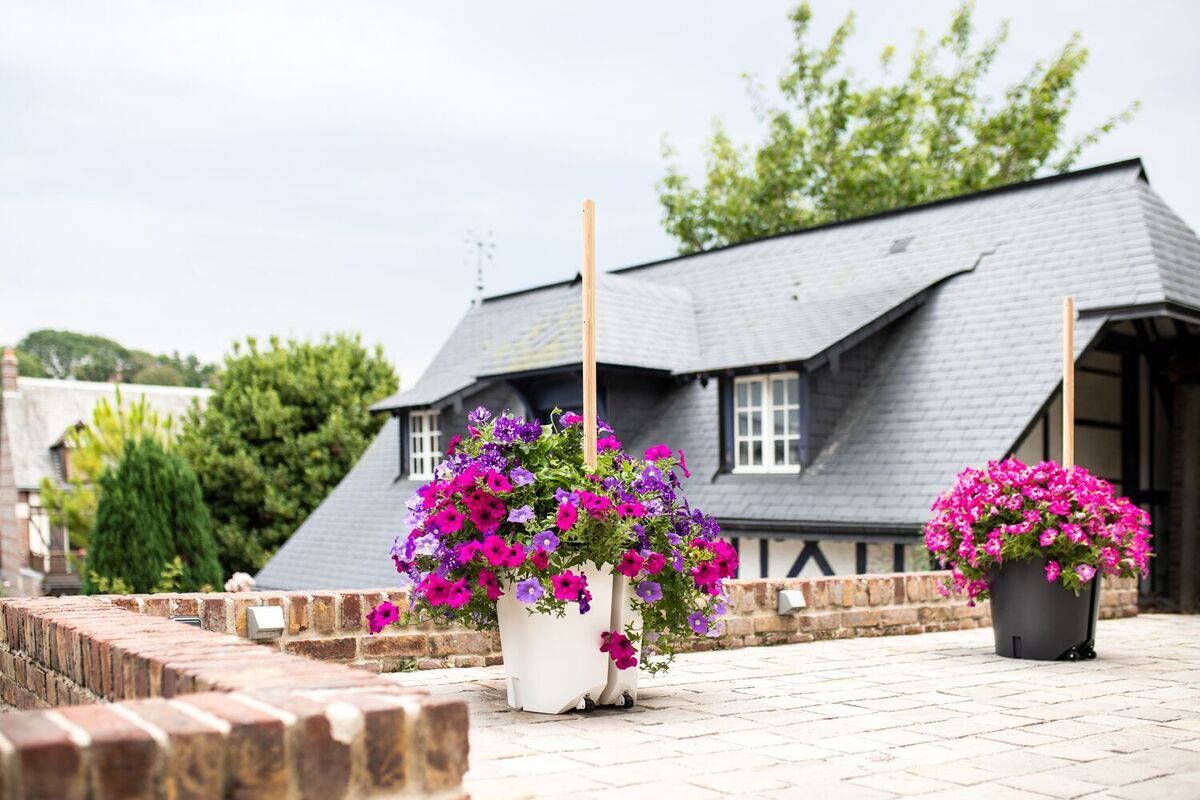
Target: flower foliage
{"points": [[513, 509], [1012, 512]]}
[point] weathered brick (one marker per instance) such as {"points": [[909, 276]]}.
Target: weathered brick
{"points": [[405, 645], [323, 611], [350, 612], [325, 762], [297, 614], [48, 762], [121, 757], [440, 736], [194, 762], [214, 614], [341, 649], [257, 751]]}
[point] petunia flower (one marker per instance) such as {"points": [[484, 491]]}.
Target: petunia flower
{"points": [[567, 516], [539, 559], [655, 563], [497, 482], [1085, 572], [698, 622], [649, 591], [567, 586], [630, 564], [449, 520], [520, 476], [521, 515], [546, 540], [656, 452], [530, 590], [1052, 571], [491, 585], [608, 443]]}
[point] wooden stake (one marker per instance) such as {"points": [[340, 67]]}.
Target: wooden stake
{"points": [[1068, 383], [589, 334]]}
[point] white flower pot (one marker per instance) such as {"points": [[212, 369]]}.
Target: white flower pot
{"points": [[551, 664]]}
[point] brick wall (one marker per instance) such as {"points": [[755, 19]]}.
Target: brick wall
{"points": [[331, 625], [137, 706]]}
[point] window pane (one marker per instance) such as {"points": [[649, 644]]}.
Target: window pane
{"points": [[793, 390], [777, 393], [743, 453], [756, 424], [794, 420], [743, 424], [758, 453], [742, 395], [794, 451], [756, 393], [779, 429], [416, 423], [779, 451]]}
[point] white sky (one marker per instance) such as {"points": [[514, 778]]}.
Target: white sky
{"points": [[176, 175]]}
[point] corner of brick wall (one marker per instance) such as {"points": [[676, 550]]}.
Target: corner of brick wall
{"points": [[139, 707]]}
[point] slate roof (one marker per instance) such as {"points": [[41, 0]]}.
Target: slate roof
{"points": [[956, 381], [41, 411]]}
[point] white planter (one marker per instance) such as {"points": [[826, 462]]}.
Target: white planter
{"points": [[551, 664]]}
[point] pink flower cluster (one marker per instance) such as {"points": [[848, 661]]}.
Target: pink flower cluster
{"points": [[619, 649], [1010, 512]]}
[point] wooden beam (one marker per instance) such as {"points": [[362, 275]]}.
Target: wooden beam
{"points": [[589, 334], [1068, 383]]}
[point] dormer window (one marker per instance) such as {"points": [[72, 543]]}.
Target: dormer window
{"points": [[766, 423], [424, 443]]}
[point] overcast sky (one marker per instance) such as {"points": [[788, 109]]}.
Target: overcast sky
{"points": [[177, 175]]}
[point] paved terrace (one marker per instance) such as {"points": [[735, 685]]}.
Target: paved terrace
{"points": [[932, 716]]}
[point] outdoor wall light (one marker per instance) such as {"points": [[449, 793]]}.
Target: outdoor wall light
{"points": [[790, 601], [264, 622]]}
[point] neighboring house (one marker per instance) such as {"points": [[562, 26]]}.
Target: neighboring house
{"points": [[35, 416], [826, 385]]}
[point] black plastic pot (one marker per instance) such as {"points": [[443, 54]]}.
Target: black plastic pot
{"points": [[1035, 619]]}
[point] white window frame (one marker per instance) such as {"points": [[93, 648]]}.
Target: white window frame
{"points": [[424, 443], [768, 435]]}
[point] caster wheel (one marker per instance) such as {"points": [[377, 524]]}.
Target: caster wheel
{"points": [[627, 701], [1089, 653], [1072, 655], [589, 705]]}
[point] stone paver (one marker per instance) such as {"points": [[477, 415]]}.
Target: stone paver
{"points": [[930, 716]]}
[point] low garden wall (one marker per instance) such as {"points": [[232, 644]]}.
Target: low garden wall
{"points": [[136, 706], [331, 625]]}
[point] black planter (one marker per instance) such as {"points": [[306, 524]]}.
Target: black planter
{"points": [[1035, 619]]}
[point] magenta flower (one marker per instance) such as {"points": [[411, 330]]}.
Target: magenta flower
{"points": [[567, 515], [1085, 572], [449, 520], [656, 452], [495, 550], [497, 482], [630, 564], [381, 616], [436, 590], [567, 586], [459, 595], [539, 559], [466, 551], [655, 563], [490, 584], [570, 419], [608, 443], [1052, 571]]}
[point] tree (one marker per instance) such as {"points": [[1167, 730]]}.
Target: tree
{"points": [[70, 355], [283, 426], [151, 513], [839, 148], [66, 354], [94, 448]]}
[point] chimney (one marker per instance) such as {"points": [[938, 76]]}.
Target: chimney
{"points": [[8, 372]]}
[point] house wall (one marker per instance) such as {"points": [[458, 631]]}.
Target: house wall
{"points": [[12, 553]]}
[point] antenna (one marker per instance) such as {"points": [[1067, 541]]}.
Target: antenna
{"points": [[481, 245]]}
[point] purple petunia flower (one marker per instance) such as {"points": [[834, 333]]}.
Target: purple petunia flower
{"points": [[479, 415], [530, 590], [546, 540], [520, 476], [649, 591], [698, 622], [563, 496], [426, 545], [522, 514]]}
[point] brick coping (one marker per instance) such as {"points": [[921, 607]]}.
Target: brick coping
{"points": [[146, 707]]}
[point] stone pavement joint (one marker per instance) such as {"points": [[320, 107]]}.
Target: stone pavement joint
{"points": [[937, 715]]}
